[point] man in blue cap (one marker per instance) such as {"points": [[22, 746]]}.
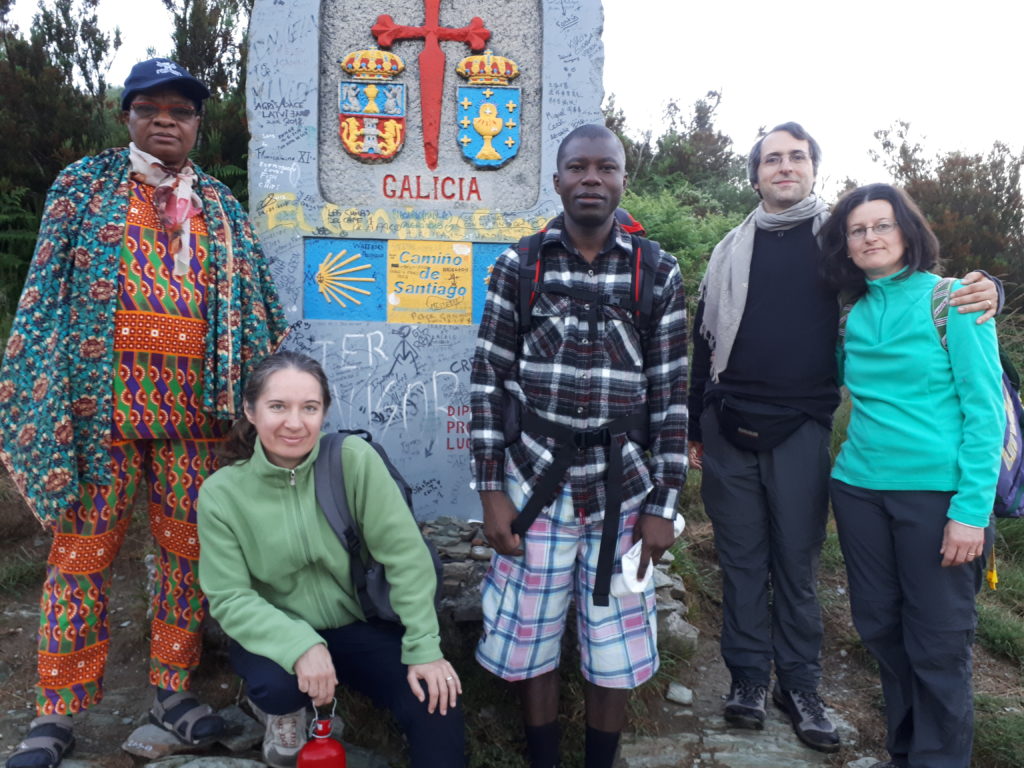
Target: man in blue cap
{"points": [[146, 304]]}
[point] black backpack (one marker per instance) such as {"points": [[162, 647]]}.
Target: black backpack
{"points": [[368, 578]]}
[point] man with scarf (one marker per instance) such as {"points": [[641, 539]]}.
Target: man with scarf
{"points": [[762, 393], [146, 304]]}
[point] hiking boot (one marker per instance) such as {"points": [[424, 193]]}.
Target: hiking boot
{"points": [[806, 711], [284, 737], [745, 707]]}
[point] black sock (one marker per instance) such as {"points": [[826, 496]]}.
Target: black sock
{"points": [[601, 748], [542, 745]]}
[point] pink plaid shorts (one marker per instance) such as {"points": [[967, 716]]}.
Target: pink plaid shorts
{"points": [[526, 598]]}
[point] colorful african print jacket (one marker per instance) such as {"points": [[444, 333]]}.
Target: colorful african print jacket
{"points": [[56, 381]]}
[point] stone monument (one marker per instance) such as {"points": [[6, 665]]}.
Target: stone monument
{"points": [[398, 147]]}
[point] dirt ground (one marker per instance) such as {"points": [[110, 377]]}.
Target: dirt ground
{"points": [[850, 683]]}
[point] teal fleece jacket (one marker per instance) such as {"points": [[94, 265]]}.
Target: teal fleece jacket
{"points": [[924, 417], [274, 570]]}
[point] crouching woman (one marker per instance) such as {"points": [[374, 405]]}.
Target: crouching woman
{"points": [[277, 577]]}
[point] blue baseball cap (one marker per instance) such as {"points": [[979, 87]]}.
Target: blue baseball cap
{"points": [[155, 73]]}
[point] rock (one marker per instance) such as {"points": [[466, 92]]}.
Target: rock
{"points": [[677, 636], [680, 694], [243, 732], [481, 553], [72, 763], [445, 541], [678, 590], [864, 762], [154, 742], [175, 761], [661, 579], [360, 757], [465, 606], [205, 762], [458, 571], [457, 551], [659, 752], [665, 604]]}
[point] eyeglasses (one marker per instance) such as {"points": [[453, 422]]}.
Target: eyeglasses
{"points": [[180, 113], [883, 228]]}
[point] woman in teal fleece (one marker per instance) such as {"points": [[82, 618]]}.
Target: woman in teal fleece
{"points": [[914, 484], [277, 577]]}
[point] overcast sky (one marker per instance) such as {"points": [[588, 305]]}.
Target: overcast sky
{"points": [[844, 70]]}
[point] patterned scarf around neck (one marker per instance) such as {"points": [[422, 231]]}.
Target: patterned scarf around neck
{"points": [[174, 199], [724, 287]]}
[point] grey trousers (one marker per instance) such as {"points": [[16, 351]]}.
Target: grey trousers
{"points": [[769, 510], [916, 617]]}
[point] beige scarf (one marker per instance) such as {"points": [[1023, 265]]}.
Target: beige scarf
{"points": [[174, 199], [724, 287]]}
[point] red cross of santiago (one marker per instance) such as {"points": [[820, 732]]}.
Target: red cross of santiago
{"points": [[432, 61]]}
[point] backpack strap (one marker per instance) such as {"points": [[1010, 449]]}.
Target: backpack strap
{"points": [[940, 307], [529, 276], [647, 253], [329, 480], [846, 302]]}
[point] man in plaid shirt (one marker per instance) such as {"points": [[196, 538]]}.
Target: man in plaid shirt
{"points": [[587, 378]]}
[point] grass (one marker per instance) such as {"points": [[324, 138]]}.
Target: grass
{"points": [[20, 570], [998, 733]]}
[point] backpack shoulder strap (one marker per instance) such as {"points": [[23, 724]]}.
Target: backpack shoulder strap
{"points": [[645, 273], [940, 307], [846, 302], [529, 275], [329, 480]]}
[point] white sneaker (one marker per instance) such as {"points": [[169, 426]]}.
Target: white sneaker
{"points": [[284, 737]]}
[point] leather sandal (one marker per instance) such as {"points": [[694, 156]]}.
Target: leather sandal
{"points": [[48, 741], [181, 712]]}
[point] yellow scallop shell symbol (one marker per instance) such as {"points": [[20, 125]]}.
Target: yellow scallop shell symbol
{"points": [[334, 278]]}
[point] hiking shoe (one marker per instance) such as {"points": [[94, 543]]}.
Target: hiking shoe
{"points": [[806, 711], [745, 707], [284, 737]]}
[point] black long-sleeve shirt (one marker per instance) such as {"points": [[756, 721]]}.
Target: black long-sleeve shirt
{"points": [[785, 349]]}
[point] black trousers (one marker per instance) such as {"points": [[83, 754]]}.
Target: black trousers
{"points": [[916, 617], [366, 657], [768, 510]]}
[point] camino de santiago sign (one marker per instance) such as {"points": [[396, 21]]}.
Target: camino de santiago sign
{"points": [[397, 148]]}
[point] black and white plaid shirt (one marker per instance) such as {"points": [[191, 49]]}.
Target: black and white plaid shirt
{"points": [[564, 377]]}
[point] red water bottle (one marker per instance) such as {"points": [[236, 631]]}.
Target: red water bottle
{"points": [[321, 751]]}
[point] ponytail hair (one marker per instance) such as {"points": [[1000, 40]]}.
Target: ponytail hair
{"points": [[241, 439]]}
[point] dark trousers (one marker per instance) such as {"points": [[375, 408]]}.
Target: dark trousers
{"points": [[367, 658], [769, 510], [916, 617]]}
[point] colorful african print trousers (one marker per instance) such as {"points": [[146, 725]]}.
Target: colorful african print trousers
{"points": [[74, 631]]}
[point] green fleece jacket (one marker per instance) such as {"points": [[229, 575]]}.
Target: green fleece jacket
{"points": [[924, 417], [274, 570]]}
